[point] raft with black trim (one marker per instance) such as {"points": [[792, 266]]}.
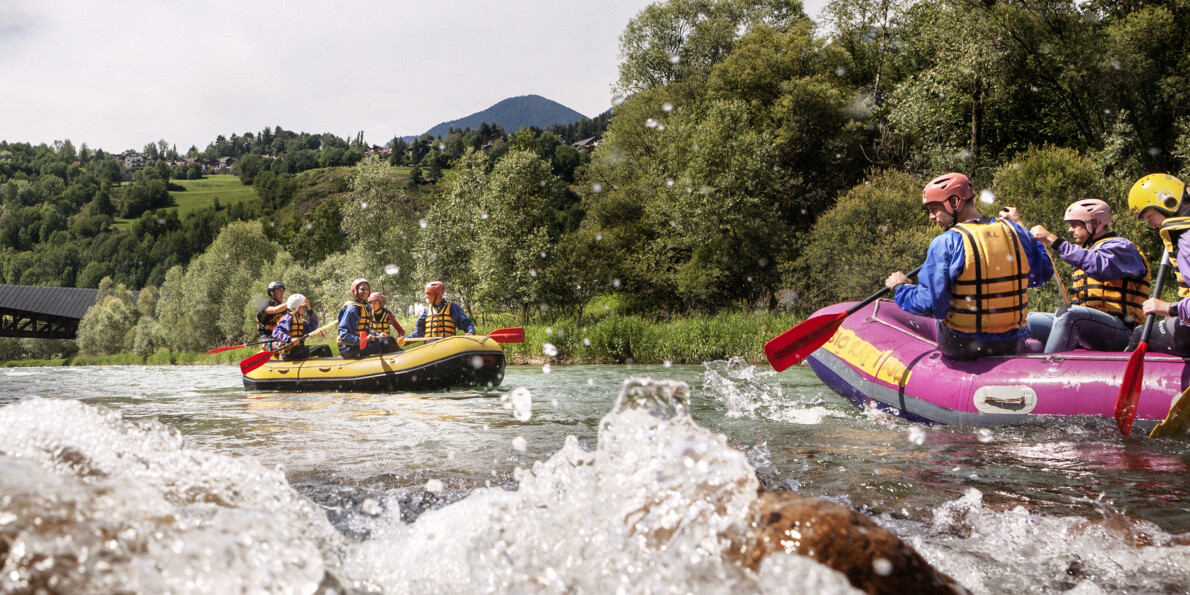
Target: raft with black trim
{"points": [[884, 357], [461, 361]]}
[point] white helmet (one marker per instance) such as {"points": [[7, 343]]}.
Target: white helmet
{"points": [[296, 301]]}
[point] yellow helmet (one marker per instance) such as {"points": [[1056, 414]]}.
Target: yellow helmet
{"points": [[1159, 191]]}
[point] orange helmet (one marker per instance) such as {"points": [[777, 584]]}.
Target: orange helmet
{"points": [[948, 189], [435, 289], [377, 297]]}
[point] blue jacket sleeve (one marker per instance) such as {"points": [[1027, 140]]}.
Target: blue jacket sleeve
{"points": [[1114, 259], [1041, 268], [281, 331], [461, 320], [421, 325], [348, 321], [944, 263]]}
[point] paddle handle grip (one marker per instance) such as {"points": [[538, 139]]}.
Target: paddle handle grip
{"points": [[1144, 335], [879, 294]]}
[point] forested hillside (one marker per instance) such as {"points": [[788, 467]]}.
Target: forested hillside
{"points": [[752, 162]]}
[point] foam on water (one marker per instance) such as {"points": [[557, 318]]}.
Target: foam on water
{"points": [[661, 505], [1017, 551], [90, 503], [754, 393]]}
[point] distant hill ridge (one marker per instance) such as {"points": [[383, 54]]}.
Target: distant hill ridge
{"points": [[512, 114]]}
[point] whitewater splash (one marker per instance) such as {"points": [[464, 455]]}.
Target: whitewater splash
{"points": [[751, 392], [93, 503]]}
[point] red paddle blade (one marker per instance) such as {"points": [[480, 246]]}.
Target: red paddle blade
{"points": [[508, 335], [228, 348], [1130, 389], [793, 345], [255, 360], [363, 341]]}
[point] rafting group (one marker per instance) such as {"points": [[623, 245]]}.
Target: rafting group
{"points": [[959, 344], [976, 273], [365, 326]]}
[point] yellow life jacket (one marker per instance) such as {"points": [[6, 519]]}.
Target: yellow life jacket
{"points": [[297, 326], [380, 322], [1121, 297], [365, 318], [439, 322], [1171, 230], [989, 295]]}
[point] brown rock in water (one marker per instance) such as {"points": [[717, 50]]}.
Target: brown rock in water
{"points": [[872, 558]]}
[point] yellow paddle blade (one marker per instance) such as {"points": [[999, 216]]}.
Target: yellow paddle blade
{"points": [[1177, 422]]}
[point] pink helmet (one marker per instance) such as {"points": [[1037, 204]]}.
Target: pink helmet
{"points": [[377, 297], [436, 289], [948, 189], [355, 284], [1092, 212]]}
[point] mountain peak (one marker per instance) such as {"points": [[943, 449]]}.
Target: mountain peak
{"points": [[514, 113]]}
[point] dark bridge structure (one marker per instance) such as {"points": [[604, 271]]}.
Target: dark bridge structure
{"points": [[43, 312]]}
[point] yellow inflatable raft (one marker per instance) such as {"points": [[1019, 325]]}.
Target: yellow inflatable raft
{"points": [[435, 365]]}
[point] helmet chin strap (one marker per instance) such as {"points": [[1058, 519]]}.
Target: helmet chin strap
{"points": [[954, 213]]}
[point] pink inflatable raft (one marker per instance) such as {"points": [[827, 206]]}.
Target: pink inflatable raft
{"points": [[889, 359]]}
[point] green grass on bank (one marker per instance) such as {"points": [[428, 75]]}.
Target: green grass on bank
{"points": [[201, 194], [610, 340]]}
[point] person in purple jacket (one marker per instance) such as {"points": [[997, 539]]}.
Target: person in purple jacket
{"points": [[294, 328], [1108, 288], [1163, 202]]}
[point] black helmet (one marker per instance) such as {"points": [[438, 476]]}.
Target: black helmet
{"points": [[275, 285]]}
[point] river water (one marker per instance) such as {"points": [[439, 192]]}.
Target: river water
{"points": [[174, 479]]}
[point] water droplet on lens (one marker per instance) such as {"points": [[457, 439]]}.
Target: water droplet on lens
{"points": [[546, 369], [667, 363], [917, 436], [521, 402], [422, 223], [363, 205], [596, 187], [882, 566], [651, 123], [984, 435], [587, 342], [667, 107], [435, 486], [617, 99], [549, 349], [986, 196], [674, 58], [519, 444], [391, 269]]}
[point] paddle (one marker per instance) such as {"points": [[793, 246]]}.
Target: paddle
{"points": [[500, 335], [1177, 422], [230, 347], [793, 345], [1134, 371], [258, 359]]}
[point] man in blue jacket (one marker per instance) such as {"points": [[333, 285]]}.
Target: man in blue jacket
{"points": [[975, 275]]}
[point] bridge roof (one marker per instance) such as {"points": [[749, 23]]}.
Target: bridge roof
{"points": [[68, 302]]}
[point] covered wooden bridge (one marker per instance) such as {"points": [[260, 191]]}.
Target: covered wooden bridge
{"points": [[43, 312]]}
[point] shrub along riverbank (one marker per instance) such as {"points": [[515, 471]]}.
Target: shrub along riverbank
{"points": [[609, 340]]}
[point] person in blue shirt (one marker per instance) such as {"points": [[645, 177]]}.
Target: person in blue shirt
{"points": [[442, 317], [355, 324], [975, 275], [1107, 290]]}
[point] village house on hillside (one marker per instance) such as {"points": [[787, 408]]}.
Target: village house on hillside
{"points": [[586, 145], [132, 159]]}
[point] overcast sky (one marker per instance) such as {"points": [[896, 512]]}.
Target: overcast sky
{"points": [[117, 75]]}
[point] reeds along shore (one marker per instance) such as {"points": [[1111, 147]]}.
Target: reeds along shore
{"points": [[608, 340]]}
